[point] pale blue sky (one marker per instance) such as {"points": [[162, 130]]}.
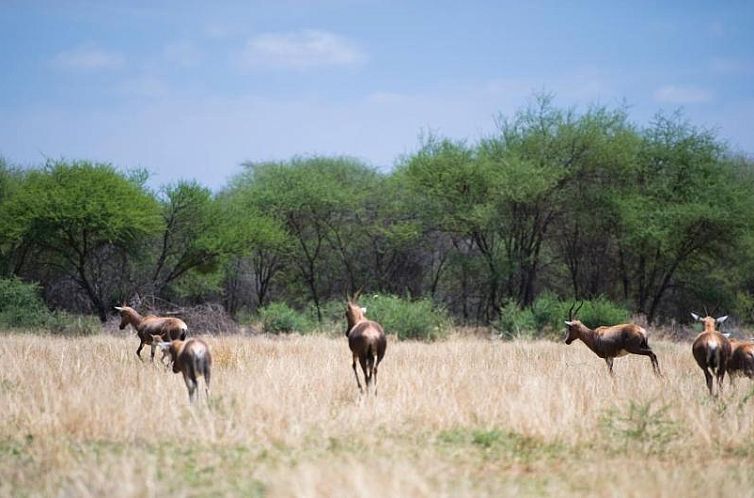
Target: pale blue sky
{"points": [[191, 89]]}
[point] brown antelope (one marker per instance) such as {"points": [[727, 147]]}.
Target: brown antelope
{"points": [[191, 358], [367, 342], [711, 350], [611, 342], [741, 360], [167, 328]]}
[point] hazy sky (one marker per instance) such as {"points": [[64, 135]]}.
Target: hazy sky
{"points": [[191, 89]]}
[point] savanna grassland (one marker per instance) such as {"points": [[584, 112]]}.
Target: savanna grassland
{"points": [[460, 417]]}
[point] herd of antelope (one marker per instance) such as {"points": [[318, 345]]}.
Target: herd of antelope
{"points": [[715, 353]]}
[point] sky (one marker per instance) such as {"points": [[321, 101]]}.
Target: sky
{"points": [[193, 89]]}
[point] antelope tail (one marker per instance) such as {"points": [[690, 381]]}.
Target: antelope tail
{"points": [[713, 356], [371, 358]]}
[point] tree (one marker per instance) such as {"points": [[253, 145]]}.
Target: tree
{"points": [[80, 216], [686, 205], [320, 202], [258, 246], [192, 234]]}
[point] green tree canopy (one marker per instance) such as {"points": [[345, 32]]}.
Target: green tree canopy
{"points": [[76, 212]]}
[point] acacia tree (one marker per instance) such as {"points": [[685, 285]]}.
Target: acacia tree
{"points": [[12, 253], [686, 205], [76, 213], [191, 239], [258, 246], [320, 202], [453, 197]]}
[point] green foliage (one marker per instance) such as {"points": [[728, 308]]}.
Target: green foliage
{"points": [[21, 306], [515, 322], [546, 316], [73, 213], [193, 239], [77, 206], [598, 312], [407, 319], [558, 202], [279, 318], [499, 444]]}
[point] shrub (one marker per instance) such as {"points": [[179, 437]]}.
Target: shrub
{"points": [[515, 322], [546, 316], [548, 312], [599, 312], [279, 318], [407, 319], [21, 306], [333, 316]]}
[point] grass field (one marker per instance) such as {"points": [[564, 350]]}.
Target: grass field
{"points": [[463, 417]]}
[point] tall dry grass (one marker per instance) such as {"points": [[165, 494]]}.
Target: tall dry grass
{"points": [[463, 417]]}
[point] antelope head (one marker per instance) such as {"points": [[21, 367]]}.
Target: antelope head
{"points": [[573, 326], [710, 323], [124, 321]]}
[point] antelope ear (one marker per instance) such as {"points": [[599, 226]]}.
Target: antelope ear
{"points": [[696, 317], [364, 310], [119, 308], [722, 319], [568, 323]]}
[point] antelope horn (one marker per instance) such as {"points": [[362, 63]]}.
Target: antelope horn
{"points": [[358, 294], [579, 307], [572, 312], [717, 306]]}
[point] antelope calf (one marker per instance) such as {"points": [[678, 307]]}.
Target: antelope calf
{"points": [[147, 327], [367, 342], [156, 340], [191, 358], [712, 351], [612, 342]]}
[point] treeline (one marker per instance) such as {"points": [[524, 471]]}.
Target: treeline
{"points": [[658, 218]]}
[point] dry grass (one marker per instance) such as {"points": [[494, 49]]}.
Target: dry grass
{"points": [[464, 417]]}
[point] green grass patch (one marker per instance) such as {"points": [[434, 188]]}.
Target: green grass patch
{"points": [[499, 444]]}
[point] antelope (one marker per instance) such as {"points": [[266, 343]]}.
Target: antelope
{"points": [[191, 358], [367, 342], [741, 360], [611, 342], [167, 328], [156, 340], [711, 350]]}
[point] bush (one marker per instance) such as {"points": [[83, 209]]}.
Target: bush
{"points": [[418, 319], [548, 312], [598, 312], [279, 318], [21, 306], [333, 316], [516, 323], [546, 316]]}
